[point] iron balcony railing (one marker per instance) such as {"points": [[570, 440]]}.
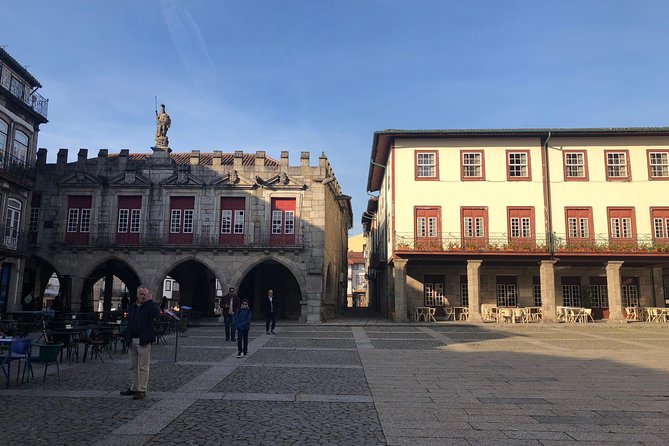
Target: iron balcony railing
{"points": [[12, 239], [17, 168], [21, 91], [176, 241], [454, 242]]}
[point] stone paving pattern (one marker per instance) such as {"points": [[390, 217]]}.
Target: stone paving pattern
{"points": [[364, 383]]}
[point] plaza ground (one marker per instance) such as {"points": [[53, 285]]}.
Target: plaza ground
{"points": [[365, 382]]}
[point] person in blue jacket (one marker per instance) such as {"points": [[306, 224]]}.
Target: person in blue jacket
{"points": [[139, 335], [243, 323]]}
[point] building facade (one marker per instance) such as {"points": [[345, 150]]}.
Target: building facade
{"points": [[238, 219], [357, 280], [575, 217], [22, 111]]}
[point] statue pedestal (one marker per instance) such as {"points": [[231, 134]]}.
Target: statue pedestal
{"points": [[161, 157]]}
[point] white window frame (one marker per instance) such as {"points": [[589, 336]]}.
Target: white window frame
{"points": [[33, 224], [617, 165], [517, 163], [21, 144], [226, 221], [277, 221], [123, 220], [239, 221], [289, 222], [421, 227], [85, 222], [72, 219], [189, 221], [175, 221], [13, 220], [426, 165], [472, 164], [135, 220], [658, 164], [621, 227], [574, 163]]}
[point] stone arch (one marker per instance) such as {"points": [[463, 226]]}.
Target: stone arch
{"points": [[267, 272], [36, 275], [197, 277], [107, 268]]}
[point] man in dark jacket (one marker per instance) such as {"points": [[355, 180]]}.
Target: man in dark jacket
{"points": [[271, 309], [229, 306], [243, 324], [139, 335]]}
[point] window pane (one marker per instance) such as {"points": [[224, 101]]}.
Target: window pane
{"points": [[276, 221], [239, 222], [135, 216], [175, 221], [85, 225], [226, 221], [290, 222], [188, 221], [659, 164], [123, 218], [72, 220], [616, 164]]}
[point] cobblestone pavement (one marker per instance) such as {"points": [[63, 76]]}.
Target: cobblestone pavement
{"points": [[357, 383]]}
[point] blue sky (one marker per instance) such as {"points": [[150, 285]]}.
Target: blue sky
{"points": [[322, 76]]}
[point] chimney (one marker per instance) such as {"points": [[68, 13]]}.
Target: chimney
{"points": [[123, 159], [217, 158], [284, 160], [41, 157], [195, 158]]}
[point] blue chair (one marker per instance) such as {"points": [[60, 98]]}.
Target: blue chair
{"points": [[19, 350], [48, 354]]}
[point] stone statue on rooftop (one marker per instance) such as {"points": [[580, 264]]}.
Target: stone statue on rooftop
{"points": [[163, 122]]}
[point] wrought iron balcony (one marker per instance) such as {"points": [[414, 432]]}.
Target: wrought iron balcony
{"points": [[21, 91], [13, 240], [454, 242], [156, 240], [17, 169]]}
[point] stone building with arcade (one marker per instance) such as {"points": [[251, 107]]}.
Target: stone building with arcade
{"points": [[245, 219]]}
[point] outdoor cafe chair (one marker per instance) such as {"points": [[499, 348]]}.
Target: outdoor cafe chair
{"points": [[101, 341], [48, 354], [19, 350]]}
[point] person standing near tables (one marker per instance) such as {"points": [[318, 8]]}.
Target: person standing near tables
{"points": [[230, 304], [243, 323], [139, 335], [271, 309]]}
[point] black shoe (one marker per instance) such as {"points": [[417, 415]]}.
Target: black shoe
{"points": [[244, 353], [267, 332], [139, 395], [240, 354], [128, 392], [273, 332]]}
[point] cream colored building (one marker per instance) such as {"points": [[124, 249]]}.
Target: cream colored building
{"points": [[535, 217]]}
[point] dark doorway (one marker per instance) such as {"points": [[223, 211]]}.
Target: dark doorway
{"points": [[197, 286], [272, 275]]}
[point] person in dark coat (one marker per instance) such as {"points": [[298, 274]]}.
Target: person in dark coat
{"points": [[230, 304], [271, 309], [243, 323], [139, 336]]}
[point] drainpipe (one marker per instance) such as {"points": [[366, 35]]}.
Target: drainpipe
{"points": [[547, 200]]}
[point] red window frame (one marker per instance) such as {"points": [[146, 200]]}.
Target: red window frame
{"points": [[628, 165], [427, 241], [462, 165], [131, 204], [650, 176], [621, 213], [528, 177], [521, 213], [586, 174], [474, 240], [232, 237], [182, 204], [284, 206], [580, 240], [662, 214], [75, 232], [436, 165]]}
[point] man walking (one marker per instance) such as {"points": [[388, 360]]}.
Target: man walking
{"points": [[230, 305], [271, 308], [139, 335]]}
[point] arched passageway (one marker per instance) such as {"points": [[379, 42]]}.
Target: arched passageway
{"points": [[267, 275], [37, 273], [107, 270], [197, 286]]}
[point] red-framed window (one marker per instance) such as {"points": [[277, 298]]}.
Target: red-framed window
{"points": [[579, 226], [433, 290], [427, 165], [283, 222], [78, 225], [521, 227], [575, 165], [129, 219], [617, 165], [472, 165], [474, 227], [622, 225], [182, 220], [659, 218], [427, 231], [233, 225], [518, 166], [658, 164]]}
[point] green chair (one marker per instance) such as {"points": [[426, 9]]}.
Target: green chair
{"points": [[48, 354]]}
